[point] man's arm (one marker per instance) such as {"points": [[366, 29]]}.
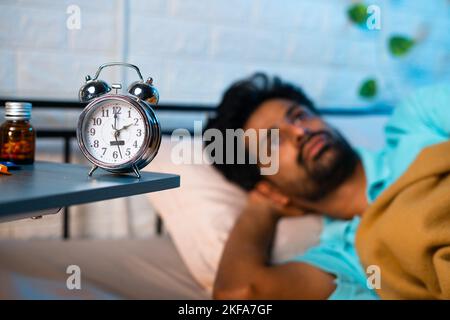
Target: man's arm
{"points": [[245, 273]]}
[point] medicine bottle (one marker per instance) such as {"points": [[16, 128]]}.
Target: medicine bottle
{"points": [[17, 136]]}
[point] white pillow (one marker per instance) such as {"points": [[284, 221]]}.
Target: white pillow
{"points": [[200, 214]]}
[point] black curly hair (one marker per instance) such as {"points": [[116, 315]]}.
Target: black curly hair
{"points": [[239, 101]]}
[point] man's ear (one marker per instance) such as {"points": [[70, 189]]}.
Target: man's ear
{"points": [[272, 192]]}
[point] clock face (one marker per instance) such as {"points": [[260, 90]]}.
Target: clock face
{"points": [[113, 132]]}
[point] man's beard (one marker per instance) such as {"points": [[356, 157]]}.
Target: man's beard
{"points": [[331, 166]]}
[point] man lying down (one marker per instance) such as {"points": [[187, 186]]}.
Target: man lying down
{"points": [[319, 172]]}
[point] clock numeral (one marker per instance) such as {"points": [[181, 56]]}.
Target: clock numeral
{"points": [[96, 143], [92, 131], [115, 155], [104, 151], [117, 110], [135, 144], [128, 152], [97, 121], [136, 121], [139, 133], [129, 113], [105, 113]]}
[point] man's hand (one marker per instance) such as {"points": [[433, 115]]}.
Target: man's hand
{"points": [[263, 198], [245, 270]]}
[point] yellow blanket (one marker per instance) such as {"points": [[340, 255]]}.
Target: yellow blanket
{"points": [[406, 232]]}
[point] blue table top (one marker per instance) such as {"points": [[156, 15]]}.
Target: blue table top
{"points": [[46, 185]]}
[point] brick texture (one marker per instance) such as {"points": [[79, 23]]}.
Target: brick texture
{"points": [[195, 48]]}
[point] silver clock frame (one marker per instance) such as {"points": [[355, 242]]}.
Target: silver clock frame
{"points": [[147, 151]]}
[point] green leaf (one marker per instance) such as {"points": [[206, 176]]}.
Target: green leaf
{"points": [[400, 45], [368, 89], [357, 13]]}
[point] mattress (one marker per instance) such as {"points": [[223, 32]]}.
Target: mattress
{"points": [[106, 269]]}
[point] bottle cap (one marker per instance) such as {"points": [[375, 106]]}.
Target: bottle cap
{"points": [[18, 110]]}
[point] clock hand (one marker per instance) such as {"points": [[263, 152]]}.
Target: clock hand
{"points": [[115, 121], [114, 126], [125, 127], [117, 131], [118, 146]]}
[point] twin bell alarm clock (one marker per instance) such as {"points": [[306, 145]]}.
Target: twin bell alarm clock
{"points": [[118, 132]]}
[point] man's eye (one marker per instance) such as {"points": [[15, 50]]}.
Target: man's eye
{"points": [[299, 116]]}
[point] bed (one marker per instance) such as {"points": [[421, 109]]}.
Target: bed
{"points": [[110, 269]]}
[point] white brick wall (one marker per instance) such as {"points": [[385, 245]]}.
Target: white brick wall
{"points": [[195, 48]]}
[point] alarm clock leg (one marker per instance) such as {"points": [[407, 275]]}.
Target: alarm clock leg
{"points": [[136, 172], [92, 170]]}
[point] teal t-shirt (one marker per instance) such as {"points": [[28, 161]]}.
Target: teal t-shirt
{"points": [[421, 121]]}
